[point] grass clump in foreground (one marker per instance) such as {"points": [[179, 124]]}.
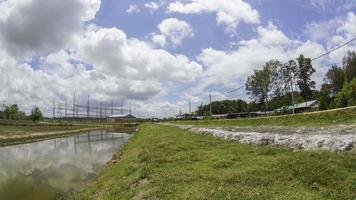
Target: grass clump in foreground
{"points": [[322, 118], [163, 162]]}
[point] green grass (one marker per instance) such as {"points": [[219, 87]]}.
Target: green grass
{"points": [[323, 118], [26, 130], [163, 162]]}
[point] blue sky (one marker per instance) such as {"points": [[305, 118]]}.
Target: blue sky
{"points": [[159, 54], [291, 17]]}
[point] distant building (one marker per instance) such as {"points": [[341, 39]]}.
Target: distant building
{"points": [[121, 118], [247, 114], [307, 106]]}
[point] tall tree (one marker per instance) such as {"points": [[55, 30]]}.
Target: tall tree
{"points": [[325, 96], [336, 78], [36, 114], [304, 82], [260, 83], [290, 72], [349, 65], [11, 111]]}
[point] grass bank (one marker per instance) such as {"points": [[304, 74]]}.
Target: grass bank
{"points": [[163, 162], [12, 132], [321, 118]]}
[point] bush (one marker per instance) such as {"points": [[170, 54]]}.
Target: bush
{"points": [[36, 114], [347, 96]]}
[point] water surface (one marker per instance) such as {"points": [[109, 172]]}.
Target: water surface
{"points": [[55, 168]]}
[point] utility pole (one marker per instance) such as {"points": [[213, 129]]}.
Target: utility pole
{"points": [[101, 111], [112, 107], [190, 107], [88, 107], [66, 110], [54, 108], [122, 112], [201, 109], [210, 105], [130, 108], [77, 108], [74, 105], [291, 84]]}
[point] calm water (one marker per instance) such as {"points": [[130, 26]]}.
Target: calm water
{"points": [[53, 168]]}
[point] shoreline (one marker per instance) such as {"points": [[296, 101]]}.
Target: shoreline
{"points": [[36, 137]]}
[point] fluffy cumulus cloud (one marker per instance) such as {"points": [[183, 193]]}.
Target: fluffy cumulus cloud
{"points": [[173, 30], [73, 56], [113, 53], [38, 26], [333, 33], [52, 49], [271, 43], [228, 12], [235, 65]]}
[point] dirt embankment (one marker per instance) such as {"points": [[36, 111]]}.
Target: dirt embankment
{"points": [[6, 140], [336, 138]]}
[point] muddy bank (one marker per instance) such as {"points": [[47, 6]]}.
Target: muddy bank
{"points": [[337, 138], [35, 137]]}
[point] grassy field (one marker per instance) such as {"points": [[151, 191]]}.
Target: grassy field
{"points": [[322, 118], [163, 162]]}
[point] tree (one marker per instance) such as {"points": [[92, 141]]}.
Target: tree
{"points": [[36, 114], [304, 82], [224, 107], [349, 65], [261, 82], [11, 112], [325, 96], [335, 77], [290, 73], [347, 96]]}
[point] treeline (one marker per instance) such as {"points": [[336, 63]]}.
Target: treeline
{"points": [[279, 84], [12, 112]]}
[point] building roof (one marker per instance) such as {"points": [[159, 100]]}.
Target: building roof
{"points": [[122, 116], [307, 104]]}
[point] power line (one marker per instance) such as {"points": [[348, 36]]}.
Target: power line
{"points": [[332, 50]]}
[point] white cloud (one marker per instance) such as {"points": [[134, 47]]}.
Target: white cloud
{"points": [[102, 62], [334, 32], [228, 12], [152, 6], [173, 30], [159, 39], [113, 53], [133, 9], [237, 64], [40, 26]]}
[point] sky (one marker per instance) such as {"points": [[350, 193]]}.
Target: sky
{"points": [[158, 55]]}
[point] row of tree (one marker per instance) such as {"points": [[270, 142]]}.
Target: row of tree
{"points": [[279, 84], [12, 112], [339, 87], [278, 80]]}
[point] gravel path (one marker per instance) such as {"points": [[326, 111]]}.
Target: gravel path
{"points": [[336, 138]]}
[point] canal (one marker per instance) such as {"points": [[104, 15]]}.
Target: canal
{"points": [[57, 167]]}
